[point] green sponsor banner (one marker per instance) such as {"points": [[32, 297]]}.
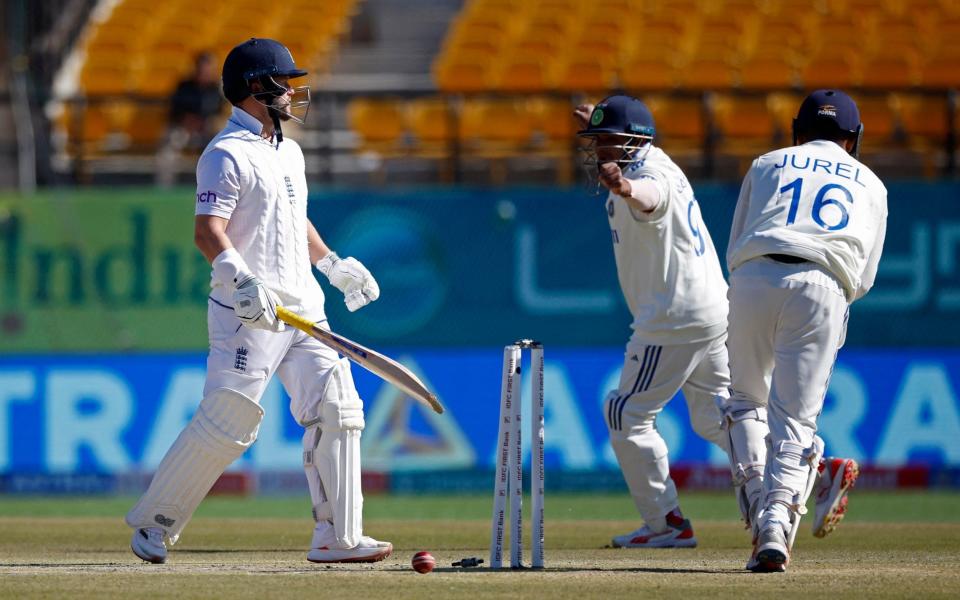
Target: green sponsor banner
{"points": [[99, 270]]}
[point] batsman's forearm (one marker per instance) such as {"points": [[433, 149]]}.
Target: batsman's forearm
{"points": [[317, 247], [210, 236]]}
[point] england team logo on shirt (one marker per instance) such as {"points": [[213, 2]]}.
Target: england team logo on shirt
{"points": [[290, 192]]}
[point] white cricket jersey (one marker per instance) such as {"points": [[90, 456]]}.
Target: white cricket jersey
{"points": [[816, 202], [262, 190], [668, 268]]}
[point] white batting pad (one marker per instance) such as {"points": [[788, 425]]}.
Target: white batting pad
{"points": [[223, 427], [747, 429], [332, 457], [791, 475]]}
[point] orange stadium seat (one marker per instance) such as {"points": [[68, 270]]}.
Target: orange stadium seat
{"points": [[108, 78], [519, 73], [924, 117], [880, 122], [941, 72], [679, 121], [745, 125], [648, 74], [834, 70], [897, 71], [768, 72], [554, 119], [431, 122], [495, 127], [783, 107], [148, 125], [586, 74], [707, 73], [380, 123], [463, 74]]}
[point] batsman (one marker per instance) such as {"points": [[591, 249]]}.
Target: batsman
{"points": [[251, 224]]}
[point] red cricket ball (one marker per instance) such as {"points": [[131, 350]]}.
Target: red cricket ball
{"points": [[423, 562]]}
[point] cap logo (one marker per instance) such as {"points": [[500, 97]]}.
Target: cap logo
{"points": [[597, 117], [827, 110]]}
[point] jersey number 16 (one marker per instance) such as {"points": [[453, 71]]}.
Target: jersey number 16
{"points": [[819, 203]]}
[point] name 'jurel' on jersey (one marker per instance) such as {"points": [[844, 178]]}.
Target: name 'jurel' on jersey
{"points": [[816, 202]]}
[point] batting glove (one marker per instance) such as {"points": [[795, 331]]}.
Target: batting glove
{"points": [[350, 277]]}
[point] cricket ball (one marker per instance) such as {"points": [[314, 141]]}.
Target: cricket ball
{"points": [[423, 562]]}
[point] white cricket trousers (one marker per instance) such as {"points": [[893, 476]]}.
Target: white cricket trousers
{"points": [[244, 360], [786, 324], [651, 376]]}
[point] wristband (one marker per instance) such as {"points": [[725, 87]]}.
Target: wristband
{"points": [[229, 268]]}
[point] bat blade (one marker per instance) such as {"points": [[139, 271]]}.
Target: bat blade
{"points": [[382, 366]]}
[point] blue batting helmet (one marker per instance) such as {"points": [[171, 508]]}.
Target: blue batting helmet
{"points": [[620, 114], [252, 60]]}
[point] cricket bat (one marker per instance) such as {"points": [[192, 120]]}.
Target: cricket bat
{"points": [[383, 367]]}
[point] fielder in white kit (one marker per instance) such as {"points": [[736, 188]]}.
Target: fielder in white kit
{"points": [[805, 243], [671, 279], [251, 224]]}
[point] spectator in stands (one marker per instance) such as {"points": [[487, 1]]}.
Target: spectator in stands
{"points": [[194, 107], [197, 100]]}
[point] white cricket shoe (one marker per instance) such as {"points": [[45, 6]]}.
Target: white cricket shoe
{"points": [[770, 551], [147, 543], [325, 549], [837, 476], [679, 534]]}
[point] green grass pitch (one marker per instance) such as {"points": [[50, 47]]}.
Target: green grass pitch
{"points": [[892, 545]]}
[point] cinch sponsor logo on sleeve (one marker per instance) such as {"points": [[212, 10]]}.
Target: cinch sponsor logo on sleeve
{"points": [[206, 197]]}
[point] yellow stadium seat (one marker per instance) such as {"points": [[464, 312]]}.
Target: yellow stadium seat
{"points": [[105, 79], [924, 117], [837, 70], [463, 74], [941, 72], [706, 73], [878, 118], [495, 127], [783, 107], [586, 74], [522, 74], [380, 123], [745, 124], [767, 72], [430, 121], [554, 119], [148, 125], [648, 74], [679, 121], [898, 71]]}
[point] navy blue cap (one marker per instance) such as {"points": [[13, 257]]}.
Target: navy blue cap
{"points": [[620, 114], [254, 58], [829, 105]]}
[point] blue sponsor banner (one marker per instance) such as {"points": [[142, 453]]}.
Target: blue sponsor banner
{"points": [[120, 413]]}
